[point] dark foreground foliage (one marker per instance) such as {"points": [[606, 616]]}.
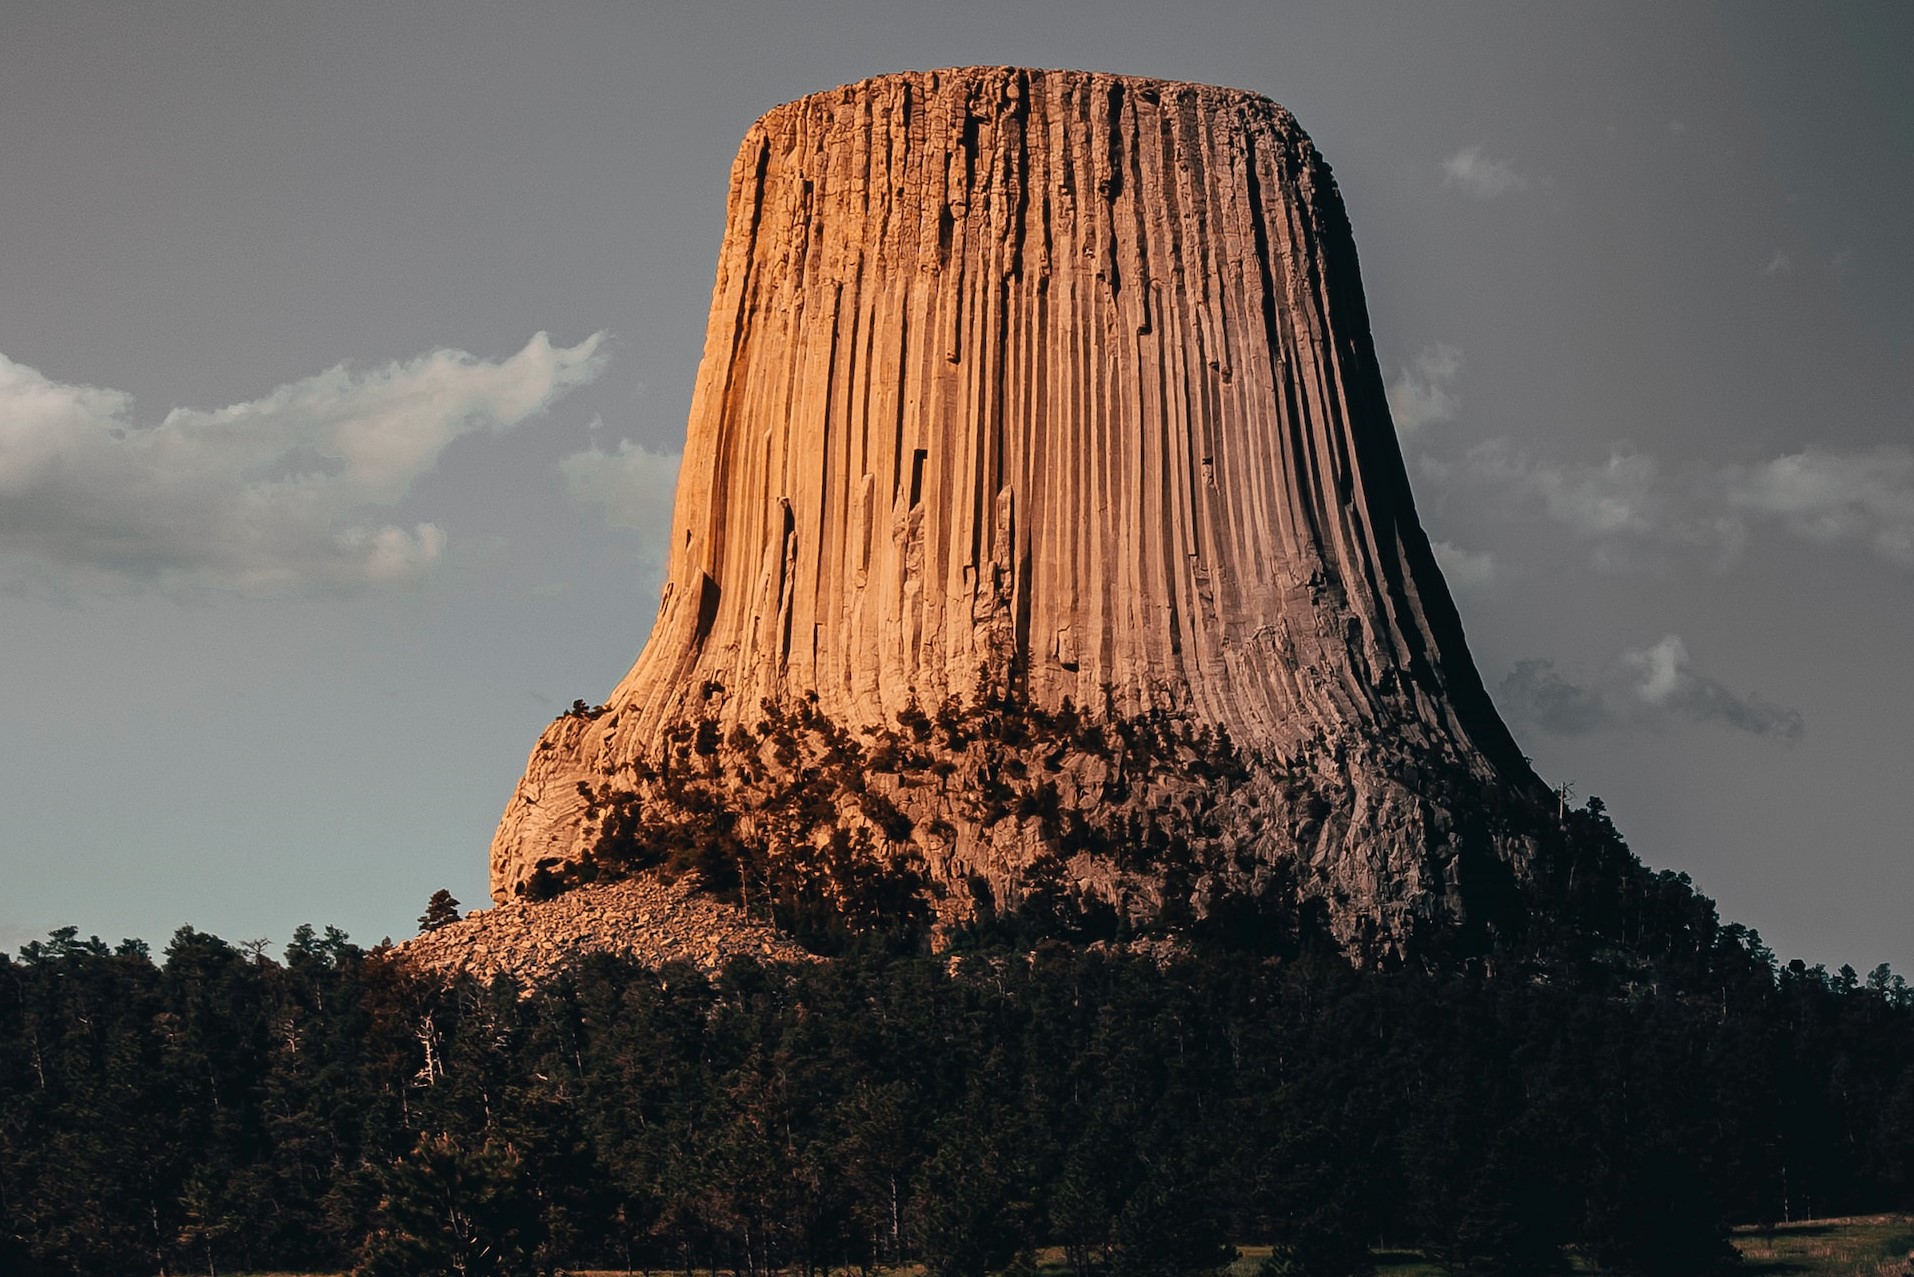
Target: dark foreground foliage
{"points": [[1625, 1089]]}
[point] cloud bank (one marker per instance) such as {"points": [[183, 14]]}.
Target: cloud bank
{"points": [[1649, 687], [273, 496]]}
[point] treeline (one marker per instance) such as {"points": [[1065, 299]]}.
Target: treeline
{"points": [[220, 1110]]}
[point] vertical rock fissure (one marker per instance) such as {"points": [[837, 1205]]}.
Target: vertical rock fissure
{"points": [[1026, 387]]}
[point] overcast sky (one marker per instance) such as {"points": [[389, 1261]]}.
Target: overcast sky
{"points": [[345, 351]]}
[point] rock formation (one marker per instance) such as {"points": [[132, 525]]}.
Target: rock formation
{"points": [[653, 923], [1042, 533]]}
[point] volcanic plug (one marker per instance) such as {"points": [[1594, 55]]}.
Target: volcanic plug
{"points": [[1042, 537]]}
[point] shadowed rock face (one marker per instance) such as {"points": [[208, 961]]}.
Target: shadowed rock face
{"points": [[1042, 524]]}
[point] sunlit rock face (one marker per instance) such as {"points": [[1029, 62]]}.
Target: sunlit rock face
{"points": [[1042, 532]]}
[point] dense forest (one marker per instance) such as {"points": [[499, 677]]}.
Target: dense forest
{"points": [[1622, 1080]]}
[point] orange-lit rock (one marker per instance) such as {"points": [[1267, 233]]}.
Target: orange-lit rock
{"points": [[1058, 386]]}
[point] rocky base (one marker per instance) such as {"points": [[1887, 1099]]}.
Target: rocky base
{"points": [[1085, 826], [645, 919]]}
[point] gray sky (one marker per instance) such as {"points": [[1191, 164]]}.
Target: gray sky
{"points": [[345, 348]]}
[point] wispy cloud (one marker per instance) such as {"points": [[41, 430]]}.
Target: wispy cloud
{"points": [[1666, 683], [1645, 688], [629, 487], [1421, 390], [1473, 171], [1534, 695], [1779, 264], [1833, 498], [1465, 569], [1623, 494], [267, 497]]}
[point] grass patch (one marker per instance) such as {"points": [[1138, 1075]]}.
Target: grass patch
{"points": [[1864, 1246], [1406, 1263]]}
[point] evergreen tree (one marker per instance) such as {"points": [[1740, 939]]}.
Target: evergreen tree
{"points": [[1625, 1100], [1171, 1227], [450, 1211], [442, 910]]}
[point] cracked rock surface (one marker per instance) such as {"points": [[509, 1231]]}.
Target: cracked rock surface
{"points": [[1053, 389]]}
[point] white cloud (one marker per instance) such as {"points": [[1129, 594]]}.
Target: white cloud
{"points": [[1465, 569], [1660, 666], [1779, 264], [1645, 689], [630, 487], [1829, 497], [1634, 511], [1474, 172], [272, 496], [1420, 393], [1833, 498], [1668, 684], [1623, 494]]}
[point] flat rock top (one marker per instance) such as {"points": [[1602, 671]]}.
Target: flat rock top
{"points": [[649, 921], [944, 76], [996, 89]]}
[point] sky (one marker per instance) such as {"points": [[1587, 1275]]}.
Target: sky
{"points": [[346, 350]]}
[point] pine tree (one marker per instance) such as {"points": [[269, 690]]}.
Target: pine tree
{"points": [[451, 1211], [442, 910]]}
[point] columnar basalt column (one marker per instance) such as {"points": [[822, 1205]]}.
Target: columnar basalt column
{"points": [[1056, 386]]}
